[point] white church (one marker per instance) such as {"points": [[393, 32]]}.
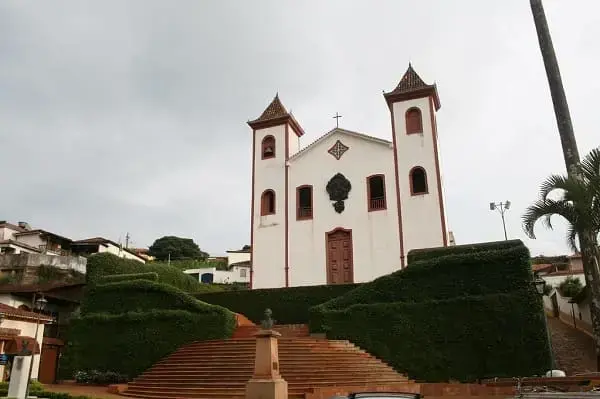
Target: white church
{"points": [[348, 207]]}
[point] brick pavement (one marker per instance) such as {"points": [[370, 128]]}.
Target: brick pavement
{"points": [[573, 350]]}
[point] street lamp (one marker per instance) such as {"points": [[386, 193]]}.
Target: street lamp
{"points": [[540, 286], [501, 207], [39, 304]]}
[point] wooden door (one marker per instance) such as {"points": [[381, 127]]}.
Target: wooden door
{"points": [[48, 364], [340, 267]]}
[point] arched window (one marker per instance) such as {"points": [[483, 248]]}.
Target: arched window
{"points": [[304, 203], [268, 147], [376, 193], [414, 121], [418, 181], [267, 203]]}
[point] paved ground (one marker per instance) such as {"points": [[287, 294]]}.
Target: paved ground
{"points": [[91, 391], [573, 350]]}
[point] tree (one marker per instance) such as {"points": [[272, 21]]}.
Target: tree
{"points": [[176, 248], [579, 204], [587, 242]]}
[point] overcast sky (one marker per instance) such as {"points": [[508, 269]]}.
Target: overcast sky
{"points": [[130, 116]]}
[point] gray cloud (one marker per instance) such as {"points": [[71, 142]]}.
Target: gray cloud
{"points": [[130, 116]]}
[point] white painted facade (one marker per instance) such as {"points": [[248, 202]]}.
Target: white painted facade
{"points": [[291, 252], [568, 311], [237, 274], [234, 257]]}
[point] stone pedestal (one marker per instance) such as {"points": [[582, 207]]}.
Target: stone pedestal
{"points": [[18, 377], [266, 383]]}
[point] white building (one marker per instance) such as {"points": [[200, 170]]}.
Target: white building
{"points": [[348, 207], [238, 269], [102, 245], [20, 238]]}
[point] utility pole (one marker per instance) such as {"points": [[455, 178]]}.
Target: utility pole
{"points": [[501, 207], [127, 237]]}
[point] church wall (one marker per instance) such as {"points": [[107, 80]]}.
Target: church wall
{"points": [[421, 219], [268, 256], [376, 248]]}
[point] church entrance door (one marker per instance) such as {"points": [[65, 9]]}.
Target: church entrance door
{"points": [[340, 267]]}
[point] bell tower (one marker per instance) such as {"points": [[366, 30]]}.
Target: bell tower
{"points": [[422, 218], [275, 138]]}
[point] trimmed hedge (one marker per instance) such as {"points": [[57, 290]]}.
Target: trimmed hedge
{"points": [[141, 296], [105, 264], [113, 278], [415, 255], [289, 305], [132, 342], [450, 276], [463, 339]]}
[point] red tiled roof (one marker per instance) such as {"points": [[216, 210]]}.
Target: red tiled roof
{"points": [[410, 81], [9, 311], [273, 111], [542, 266]]}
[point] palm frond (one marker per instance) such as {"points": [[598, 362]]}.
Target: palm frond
{"points": [[553, 183], [545, 209], [572, 238], [590, 165]]}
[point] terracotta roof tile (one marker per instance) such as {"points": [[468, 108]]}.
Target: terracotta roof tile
{"points": [[410, 81], [273, 111], [11, 311]]}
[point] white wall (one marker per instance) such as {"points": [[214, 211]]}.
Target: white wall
{"points": [[28, 329], [235, 275], [421, 219], [376, 248], [268, 256], [9, 300], [236, 257], [33, 240], [564, 306], [112, 249]]}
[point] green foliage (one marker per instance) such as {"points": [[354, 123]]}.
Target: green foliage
{"points": [[550, 260], [130, 343], [105, 264], [450, 276], [468, 313], [96, 377], [466, 338], [141, 296], [548, 289], [415, 255], [196, 264], [127, 326], [289, 305], [113, 278], [176, 248], [570, 287], [578, 203]]}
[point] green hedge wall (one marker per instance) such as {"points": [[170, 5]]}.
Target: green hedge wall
{"points": [[289, 305], [130, 343], [141, 296], [113, 278], [415, 255], [105, 264], [456, 339], [474, 273]]}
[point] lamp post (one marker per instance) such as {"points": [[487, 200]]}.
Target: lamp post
{"points": [[540, 287], [40, 304], [501, 207]]}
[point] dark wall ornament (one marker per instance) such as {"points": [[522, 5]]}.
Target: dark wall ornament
{"points": [[338, 189]]}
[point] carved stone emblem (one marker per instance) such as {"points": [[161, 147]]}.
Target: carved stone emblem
{"points": [[338, 189], [338, 149]]}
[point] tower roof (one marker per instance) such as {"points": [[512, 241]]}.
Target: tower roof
{"points": [[276, 114], [412, 86], [273, 111]]}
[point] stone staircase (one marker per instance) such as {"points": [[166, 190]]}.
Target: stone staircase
{"points": [[219, 369]]}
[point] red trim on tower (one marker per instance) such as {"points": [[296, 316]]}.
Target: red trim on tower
{"points": [[252, 209], [287, 208], [437, 170], [400, 232]]}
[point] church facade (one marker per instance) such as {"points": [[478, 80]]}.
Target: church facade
{"points": [[348, 207]]}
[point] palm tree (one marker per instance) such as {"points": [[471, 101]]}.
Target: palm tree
{"points": [[579, 203]]}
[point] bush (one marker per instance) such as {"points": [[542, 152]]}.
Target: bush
{"points": [[96, 377], [431, 253], [105, 264], [467, 338], [141, 296], [289, 305], [468, 273], [113, 278], [130, 343], [570, 287]]}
